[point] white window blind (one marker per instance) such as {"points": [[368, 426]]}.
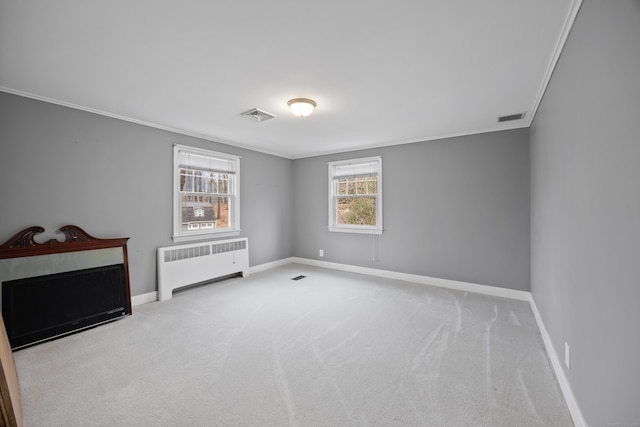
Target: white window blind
{"points": [[355, 170], [192, 160]]}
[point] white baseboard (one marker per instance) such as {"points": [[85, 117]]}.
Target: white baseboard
{"points": [[144, 298], [570, 399], [572, 403], [576, 413], [425, 280], [270, 265]]}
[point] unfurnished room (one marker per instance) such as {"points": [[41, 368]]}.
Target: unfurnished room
{"points": [[410, 213]]}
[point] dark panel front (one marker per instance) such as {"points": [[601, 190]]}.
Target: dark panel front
{"points": [[38, 308]]}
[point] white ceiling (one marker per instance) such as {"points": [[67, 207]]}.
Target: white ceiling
{"points": [[382, 72]]}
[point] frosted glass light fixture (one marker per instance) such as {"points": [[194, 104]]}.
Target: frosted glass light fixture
{"points": [[301, 107]]}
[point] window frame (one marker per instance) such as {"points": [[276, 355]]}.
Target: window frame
{"points": [[234, 196], [334, 196]]}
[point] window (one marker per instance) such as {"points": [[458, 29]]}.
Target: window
{"points": [[206, 194], [355, 195]]}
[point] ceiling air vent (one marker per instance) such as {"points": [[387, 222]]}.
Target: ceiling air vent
{"points": [[511, 117], [258, 114]]}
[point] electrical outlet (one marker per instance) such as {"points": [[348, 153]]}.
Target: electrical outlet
{"points": [[566, 355], [321, 253]]}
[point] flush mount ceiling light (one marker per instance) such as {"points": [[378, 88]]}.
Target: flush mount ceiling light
{"points": [[301, 107]]}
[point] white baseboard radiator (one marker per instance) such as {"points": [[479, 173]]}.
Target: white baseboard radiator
{"points": [[184, 265]]}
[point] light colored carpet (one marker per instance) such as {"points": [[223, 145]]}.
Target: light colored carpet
{"points": [[333, 349]]}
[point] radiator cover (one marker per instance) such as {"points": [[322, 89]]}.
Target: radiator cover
{"points": [[184, 265]]}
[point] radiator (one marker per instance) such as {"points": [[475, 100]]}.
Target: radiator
{"points": [[184, 265]]}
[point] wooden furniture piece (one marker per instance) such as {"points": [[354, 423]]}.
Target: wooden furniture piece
{"points": [[10, 400], [21, 257], [55, 288]]}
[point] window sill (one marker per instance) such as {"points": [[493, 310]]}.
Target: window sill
{"points": [[355, 230], [205, 236]]}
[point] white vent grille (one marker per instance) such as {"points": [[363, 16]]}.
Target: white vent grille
{"points": [[258, 114], [511, 117], [237, 245], [186, 253], [179, 254]]}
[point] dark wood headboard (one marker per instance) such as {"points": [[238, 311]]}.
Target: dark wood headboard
{"points": [[21, 247], [76, 239]]}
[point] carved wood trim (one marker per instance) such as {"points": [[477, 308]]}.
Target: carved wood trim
{"points": [[76, 239], [23, 238]]}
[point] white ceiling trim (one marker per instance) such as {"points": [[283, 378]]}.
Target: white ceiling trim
{"points": [[567, 24], [136, 121], [247, 147], [562, 40], [418, 140]]}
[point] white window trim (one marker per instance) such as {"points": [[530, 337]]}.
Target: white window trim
{"points": [[178, 236], [348, 228]]}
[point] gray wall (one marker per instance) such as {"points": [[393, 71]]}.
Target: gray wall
{"points": [[113, 178], [585, 197], [455, 208]]}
